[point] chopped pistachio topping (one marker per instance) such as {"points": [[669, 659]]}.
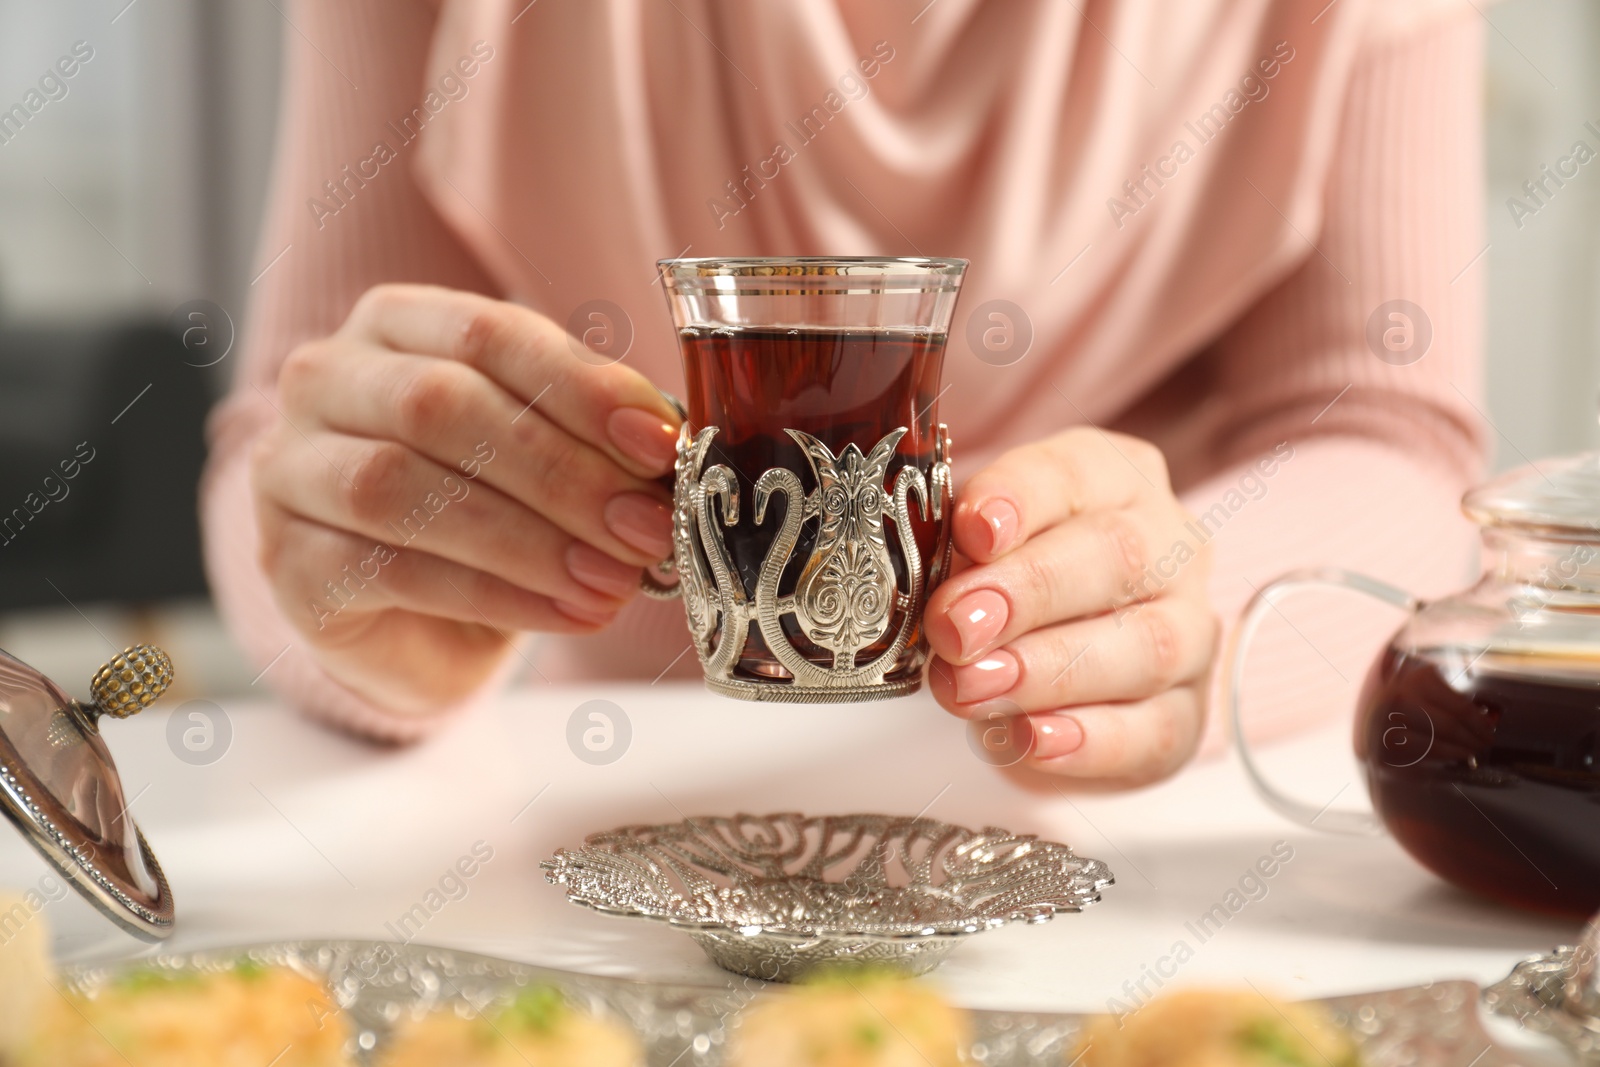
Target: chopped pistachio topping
{"points": [[250, 970], [869, 1035], [145, 979], [1269, 1038], [538, 1008]]}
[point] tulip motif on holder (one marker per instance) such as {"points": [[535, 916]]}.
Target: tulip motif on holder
{"points": [[846, 590]]}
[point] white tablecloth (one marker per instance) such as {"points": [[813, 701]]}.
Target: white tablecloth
{"points": [[296, 832]]}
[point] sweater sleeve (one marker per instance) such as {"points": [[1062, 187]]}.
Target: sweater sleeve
{"points": [[344, 214], [1376, 418]]}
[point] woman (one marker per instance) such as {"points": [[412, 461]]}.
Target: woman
{"points": [[1202, 214]]}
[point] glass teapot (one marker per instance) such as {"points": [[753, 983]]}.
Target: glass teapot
{"points": [[1478, 728]]}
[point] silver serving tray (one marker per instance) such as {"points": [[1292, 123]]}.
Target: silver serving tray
{"points": [[1540, 995], [379, 984]]}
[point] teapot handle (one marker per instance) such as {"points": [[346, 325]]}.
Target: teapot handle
{"points": [[1339, 821]]}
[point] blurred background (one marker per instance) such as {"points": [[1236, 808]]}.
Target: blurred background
{"points": [[129, 208]]}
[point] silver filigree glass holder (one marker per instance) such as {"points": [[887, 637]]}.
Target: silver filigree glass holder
{"points": [[847, 595], [776, 896]]}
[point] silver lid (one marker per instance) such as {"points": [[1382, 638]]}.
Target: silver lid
{"points": [[59, 785], [1558, 496]]}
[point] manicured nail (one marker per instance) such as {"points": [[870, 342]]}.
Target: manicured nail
{"points": [[1003, 523], [991, 676], [978, 618], [583, 614], [1055, 735], [641, 521], [1019, 735], [644, 438], [604, 574]]}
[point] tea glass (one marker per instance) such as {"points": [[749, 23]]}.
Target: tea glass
{"points": [[812, 491]]}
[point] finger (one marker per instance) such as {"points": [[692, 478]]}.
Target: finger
{"points": [[326, 580], [1126, 656], [384, 491], [1034, 487], [532, 358], [459, 418], [1134, 743], [1088, 565]]}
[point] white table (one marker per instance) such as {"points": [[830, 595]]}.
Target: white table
{"points": [[297, 832]]}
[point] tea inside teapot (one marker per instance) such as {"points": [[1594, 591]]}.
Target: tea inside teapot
{"points": [[1479, 727], [1485, 766]]}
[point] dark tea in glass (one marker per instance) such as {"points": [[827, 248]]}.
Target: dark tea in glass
{"points": [[812, 385], [841, 386]]}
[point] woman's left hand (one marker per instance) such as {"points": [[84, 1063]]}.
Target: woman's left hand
{"points": [[1081, 627]]}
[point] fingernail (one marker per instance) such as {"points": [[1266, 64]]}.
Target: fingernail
{"points": [[978, 618], [583, 614], [643, 522], [991, 676], [644, 438], [604, 574], [1003, 523], [1055, 735], [1019, 735]]}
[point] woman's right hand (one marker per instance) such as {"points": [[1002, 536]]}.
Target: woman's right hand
{"points": [[448, 472]]}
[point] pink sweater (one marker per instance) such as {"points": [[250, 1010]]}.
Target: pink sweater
{"points": [[1200, 206]]}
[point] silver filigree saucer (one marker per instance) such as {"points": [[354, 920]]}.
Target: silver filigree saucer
{"points": [[775, 896], [1557, 994]]}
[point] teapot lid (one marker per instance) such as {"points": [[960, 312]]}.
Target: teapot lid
{"points": [[58, 784], [1558, 496]]}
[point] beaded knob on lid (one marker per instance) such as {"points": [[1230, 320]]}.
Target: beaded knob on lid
{"points": [[132, 681], [60, 787]]}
